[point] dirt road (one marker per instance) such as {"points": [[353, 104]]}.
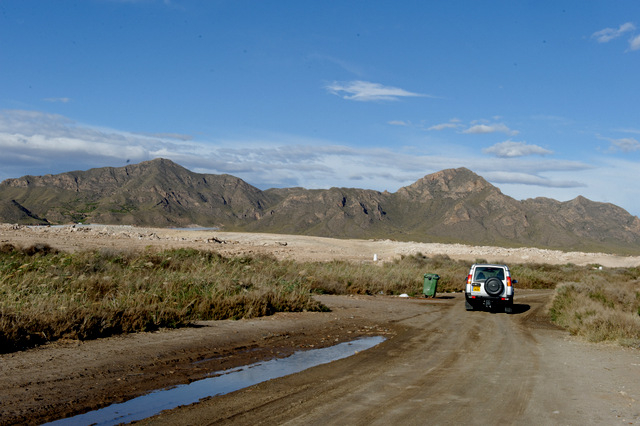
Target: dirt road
{"points": [[439, 364], [448, 366]]}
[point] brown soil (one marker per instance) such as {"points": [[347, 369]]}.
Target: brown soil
{"points": [[440, 364]]}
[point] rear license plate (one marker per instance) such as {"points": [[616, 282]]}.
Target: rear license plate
{"points": [[476, 288]]}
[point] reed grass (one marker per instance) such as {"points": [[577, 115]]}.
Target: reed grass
{"points": [[46, 295]]}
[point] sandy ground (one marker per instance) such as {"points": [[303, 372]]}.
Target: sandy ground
{"points": [[297, 247], [439, 364]]}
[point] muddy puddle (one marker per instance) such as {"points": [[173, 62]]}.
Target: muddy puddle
{"points": [[220, 383]]}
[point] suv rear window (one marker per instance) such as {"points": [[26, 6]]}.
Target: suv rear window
{"points": [[484, 272]]}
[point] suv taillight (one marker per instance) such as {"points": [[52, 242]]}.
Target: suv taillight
{"points": [[508, 281], [469, 279]]}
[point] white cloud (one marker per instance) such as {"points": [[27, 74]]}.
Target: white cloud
{"points": [[443, 126], [624, 145], [629, 130], [530, 179], [511, 149], [178, 136], [366, 91], [399, 123], [490, 128], [38, 143], [61, 100], [608, 34], [32, 141], [475, 127], [634, 43]]}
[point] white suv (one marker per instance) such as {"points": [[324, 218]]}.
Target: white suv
{"points": [[489, 286]]}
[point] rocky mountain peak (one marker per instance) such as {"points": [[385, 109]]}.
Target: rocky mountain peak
{"points": [[453, 205], [449, 183]]}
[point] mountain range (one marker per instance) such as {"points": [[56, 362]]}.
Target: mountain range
{"points": [[452, 206]]}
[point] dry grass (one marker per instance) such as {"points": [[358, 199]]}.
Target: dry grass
{"points": [[404, 275], [46, 295], [599, 309]]}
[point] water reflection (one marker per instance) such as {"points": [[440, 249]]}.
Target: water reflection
{"points": [[221, 383]]}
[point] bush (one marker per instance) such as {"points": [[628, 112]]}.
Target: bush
{"points": [[47, 295], [599, 310]]}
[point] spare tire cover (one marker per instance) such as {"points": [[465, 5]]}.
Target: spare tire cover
{"points": [[493, 286]]}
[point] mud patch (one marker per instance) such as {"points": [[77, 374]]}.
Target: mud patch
{"points": [[219, 384]]}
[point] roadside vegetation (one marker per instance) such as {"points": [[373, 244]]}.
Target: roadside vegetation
{"points": [[600, 309], [46, 295]]}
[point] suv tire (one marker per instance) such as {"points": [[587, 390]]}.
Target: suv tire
{"points": [[468, 305], [508, 308], [493, 286]]}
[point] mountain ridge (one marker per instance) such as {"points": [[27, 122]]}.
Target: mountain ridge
{"points": [[452, 206]]}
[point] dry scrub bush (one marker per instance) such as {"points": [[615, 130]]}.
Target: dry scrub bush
{"points": [[599, 309], [45, 295], [404, 275], [541, 275]]}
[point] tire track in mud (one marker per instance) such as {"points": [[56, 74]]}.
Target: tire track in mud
{"points": [[462, 373], [445, 365]]}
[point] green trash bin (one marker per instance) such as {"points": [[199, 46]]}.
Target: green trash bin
{"points": [[430, 285]]}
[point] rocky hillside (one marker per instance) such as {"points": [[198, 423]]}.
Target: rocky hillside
{"points": [[454, 205], [152, 193]]}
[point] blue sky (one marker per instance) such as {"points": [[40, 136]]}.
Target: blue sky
{"points": [[538, 97]]}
